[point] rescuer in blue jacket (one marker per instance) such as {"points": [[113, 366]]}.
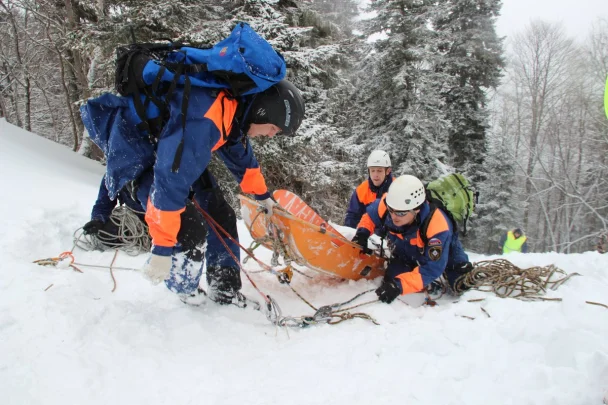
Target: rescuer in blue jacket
{"points": [[422, 239], [378, 181], [213, 122]]}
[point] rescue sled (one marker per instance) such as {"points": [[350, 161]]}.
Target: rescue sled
{"points": [[308, 239]]}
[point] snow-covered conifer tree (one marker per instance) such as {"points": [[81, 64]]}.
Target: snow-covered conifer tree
{"points": [[471, 54], [398, 104]]}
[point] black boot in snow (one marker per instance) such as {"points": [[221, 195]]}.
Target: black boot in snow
{"points": [[224, 285]]}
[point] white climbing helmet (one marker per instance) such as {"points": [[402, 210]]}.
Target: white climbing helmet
{"points": [[379, 158], [405, 193]]}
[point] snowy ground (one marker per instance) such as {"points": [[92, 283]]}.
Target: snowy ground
{"points": [[78, 343]]}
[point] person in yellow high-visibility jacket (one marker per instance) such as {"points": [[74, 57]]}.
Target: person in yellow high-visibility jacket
{"points": [[606, 98], [514, 241]]}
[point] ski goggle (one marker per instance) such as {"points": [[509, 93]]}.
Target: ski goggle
{"points": [[399, 213]]}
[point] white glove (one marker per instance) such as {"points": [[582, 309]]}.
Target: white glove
{"points": [[268, 204], [157, 268]]}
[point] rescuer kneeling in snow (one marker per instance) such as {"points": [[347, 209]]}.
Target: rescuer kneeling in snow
{"points": [[421, 236]]}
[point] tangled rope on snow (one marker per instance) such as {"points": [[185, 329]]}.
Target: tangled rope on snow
{"points": [[505, 279], [132, 235]]}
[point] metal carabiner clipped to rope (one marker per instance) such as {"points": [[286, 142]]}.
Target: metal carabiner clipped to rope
{"points": [[273, 311], [323, 314]]}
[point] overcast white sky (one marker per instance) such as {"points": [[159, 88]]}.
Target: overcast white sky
{"points": [[577, 15]]}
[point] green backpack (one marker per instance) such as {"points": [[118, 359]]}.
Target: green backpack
{"points": [[454, 194]]}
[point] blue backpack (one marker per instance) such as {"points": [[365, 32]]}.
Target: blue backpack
{"points": [[244, 63], [148, 75]]}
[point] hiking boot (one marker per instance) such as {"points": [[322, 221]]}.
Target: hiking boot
{"points": [[224, 285], [195, 299], [229, 298]]}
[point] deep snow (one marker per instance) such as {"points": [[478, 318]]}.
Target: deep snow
{"points": [[78, 343]]}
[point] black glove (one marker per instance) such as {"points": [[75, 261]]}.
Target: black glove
{"points": [[361, 240], [92, 227], [463, 268], [462, 282], [388, 291]]}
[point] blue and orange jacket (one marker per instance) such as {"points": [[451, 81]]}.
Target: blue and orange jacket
{"points": [[210, 127], [421, 263], [365, 194]]}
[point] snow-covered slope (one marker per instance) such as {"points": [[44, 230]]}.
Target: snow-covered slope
{"points": [[78, 343]]}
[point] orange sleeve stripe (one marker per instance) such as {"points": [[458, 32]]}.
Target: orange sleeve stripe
{"points": [[163, 225], [227, 106], [437, 225], [367, 223], [411, 282], [253, 182]]}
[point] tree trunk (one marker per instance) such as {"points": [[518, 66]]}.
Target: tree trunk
{"points": [[11, 111], [75, 94], [51, 109], [76, 76], [15, 38], [27, 87], [66, 91]]}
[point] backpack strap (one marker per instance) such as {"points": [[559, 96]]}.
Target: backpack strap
{"points": [[131, 62], [424, 226], [177, 159], [383, 229]]}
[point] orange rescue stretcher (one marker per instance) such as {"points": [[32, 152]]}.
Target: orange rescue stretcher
{"points": [[308, 239]]}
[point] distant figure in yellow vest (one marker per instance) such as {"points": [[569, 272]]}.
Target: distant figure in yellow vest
{"points": [[514, 241]]}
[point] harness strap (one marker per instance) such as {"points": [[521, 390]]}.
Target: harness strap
{"points": [[177, 159], [424, 226]]}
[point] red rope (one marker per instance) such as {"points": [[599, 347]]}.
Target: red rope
{"points": [[215, 226]]}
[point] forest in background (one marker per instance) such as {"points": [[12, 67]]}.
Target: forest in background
{"points": [[522, 117]]}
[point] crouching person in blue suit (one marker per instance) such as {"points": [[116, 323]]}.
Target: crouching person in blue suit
{"points": [[167, 171], [422, 239], [209, 197]]}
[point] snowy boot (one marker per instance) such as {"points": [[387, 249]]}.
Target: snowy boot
{"points": [[195, 299], [224, 285], [184, 279]]}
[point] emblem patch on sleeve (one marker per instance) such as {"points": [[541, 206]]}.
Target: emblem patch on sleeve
{"points": [[435, 253], [434, 242]]}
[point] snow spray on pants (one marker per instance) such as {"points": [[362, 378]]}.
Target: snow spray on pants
{"points": [[188, 254]]}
